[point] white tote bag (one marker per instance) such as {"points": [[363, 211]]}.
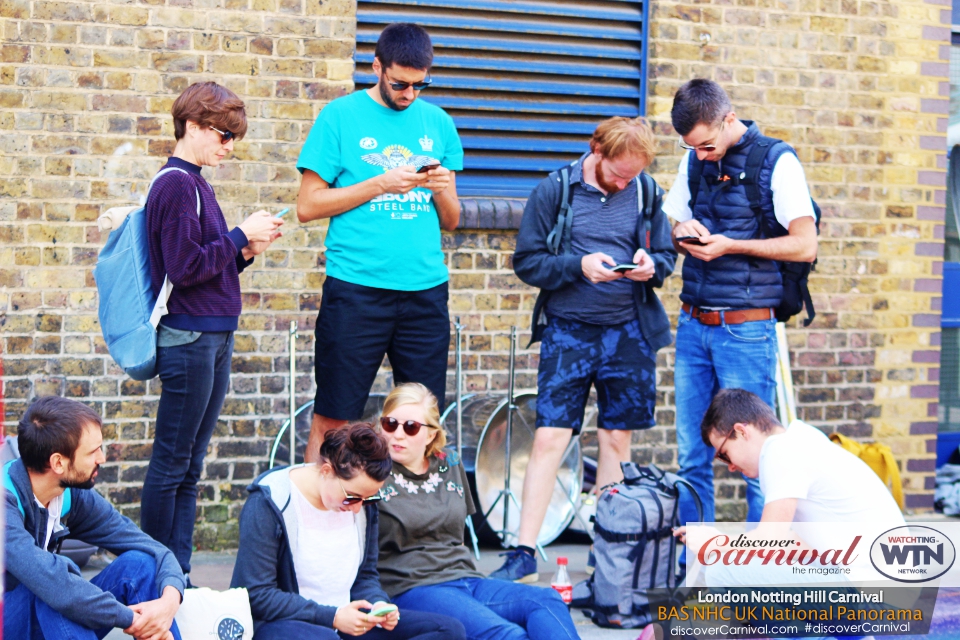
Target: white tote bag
{"points": [[206, 614]]}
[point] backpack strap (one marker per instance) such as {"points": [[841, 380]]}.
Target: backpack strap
{"points": [[160, 307], [750, 178], [676, 480], [561, 233], [646, 194], [896, 487]]}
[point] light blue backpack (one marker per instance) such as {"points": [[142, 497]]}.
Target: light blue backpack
{"points": [[129, 309]]}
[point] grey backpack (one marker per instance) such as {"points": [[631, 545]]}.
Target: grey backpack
{"points": [[634, 547]]}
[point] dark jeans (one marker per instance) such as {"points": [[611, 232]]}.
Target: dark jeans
{"points": [[131, 578], [195, 378], [413, 625], [495, 609]]}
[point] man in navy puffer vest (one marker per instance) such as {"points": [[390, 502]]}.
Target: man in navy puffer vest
{"points": [[731, 281]]}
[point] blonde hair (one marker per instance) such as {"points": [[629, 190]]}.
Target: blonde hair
{"points": [[416, 393], [619, 136]]}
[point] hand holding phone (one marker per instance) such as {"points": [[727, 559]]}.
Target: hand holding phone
{"points": [[427, 167], [690, 240], [382, 608]]}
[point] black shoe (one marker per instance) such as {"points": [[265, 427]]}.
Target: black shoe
{"points": [[519, 566]]}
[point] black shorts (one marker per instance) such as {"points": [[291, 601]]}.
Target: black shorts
{"points": [[357, 325]]}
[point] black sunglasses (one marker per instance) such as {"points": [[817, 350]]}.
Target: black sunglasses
{"points": [[349, 499], [417, 86], [225, 136], [410, 427]]}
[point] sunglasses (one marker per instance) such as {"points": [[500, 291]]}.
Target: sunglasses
{"points": [[417, 86], [410, 427], [721, 456], [349, 499], [709, 148], [225, 136]]}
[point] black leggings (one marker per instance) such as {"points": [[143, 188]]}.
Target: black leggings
{"points": [[413, 625]]}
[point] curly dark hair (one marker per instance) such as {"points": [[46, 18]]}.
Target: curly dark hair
{"points": [[355, 448]]}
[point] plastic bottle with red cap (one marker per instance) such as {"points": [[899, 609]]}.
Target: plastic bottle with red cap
{"points": [[561, 581]]}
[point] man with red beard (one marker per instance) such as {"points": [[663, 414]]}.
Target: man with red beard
{"points": [[49, 498], [595, 241]]}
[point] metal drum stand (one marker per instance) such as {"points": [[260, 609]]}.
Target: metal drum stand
{"points": [[506, 494], [458, 328]]}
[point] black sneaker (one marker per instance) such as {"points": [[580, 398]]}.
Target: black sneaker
{"points": [[519, 566]]}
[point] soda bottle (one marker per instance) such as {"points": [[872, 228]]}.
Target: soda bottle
{"points": [[561, 581]]}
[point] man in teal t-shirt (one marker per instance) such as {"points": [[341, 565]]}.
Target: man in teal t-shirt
{"points": [[379, 163]]}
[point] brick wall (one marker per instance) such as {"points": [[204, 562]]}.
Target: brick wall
{"points": [[85, 90]]}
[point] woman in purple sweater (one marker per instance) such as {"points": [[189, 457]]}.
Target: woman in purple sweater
{"points": [[192, 246]]}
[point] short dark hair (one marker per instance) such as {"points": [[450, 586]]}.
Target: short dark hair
{"points": [[731, 406], [209, 105], [699, 101], [355, 448], [406, 45], [53, 425]]}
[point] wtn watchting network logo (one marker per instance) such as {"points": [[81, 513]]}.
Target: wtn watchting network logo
{"points": [[912, 554]]}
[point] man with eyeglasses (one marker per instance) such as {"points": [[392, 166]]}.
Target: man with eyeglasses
{"points": [[731, 282], [597, 317], [380, 164]]}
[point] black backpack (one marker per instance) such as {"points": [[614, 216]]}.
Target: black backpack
{"points": [[562, 230], [796, 293]]}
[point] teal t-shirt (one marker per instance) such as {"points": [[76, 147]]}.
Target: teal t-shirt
{"points": [[392, 241]]}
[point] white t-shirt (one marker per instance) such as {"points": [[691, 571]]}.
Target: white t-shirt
{"points": [[830, 483], [54, 510], [328, 552], [791, 197]]}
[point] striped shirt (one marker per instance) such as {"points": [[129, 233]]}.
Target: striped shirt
{"points": [[200, 255]]}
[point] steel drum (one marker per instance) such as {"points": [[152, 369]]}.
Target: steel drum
{"points": [[280, 452], [484, 436]]}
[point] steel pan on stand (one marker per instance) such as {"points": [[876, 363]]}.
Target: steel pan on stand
{"points": [[484, 431]]}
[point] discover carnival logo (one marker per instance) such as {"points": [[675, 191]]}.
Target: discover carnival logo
{"points": [[912, 554]]}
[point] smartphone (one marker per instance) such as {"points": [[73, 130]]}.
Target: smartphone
{"points": [[427, 167], [623, 268], [282, 213], [383, 609], [690, 240]]}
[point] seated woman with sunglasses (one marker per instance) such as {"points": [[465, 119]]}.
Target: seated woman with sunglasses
{"points": [[424, 564], [308, 549]]}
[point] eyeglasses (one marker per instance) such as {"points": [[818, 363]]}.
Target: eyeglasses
{"points": [[402, 86], [709, 148], [410, 427], [225, 136], [721, 456], [349, 499]]}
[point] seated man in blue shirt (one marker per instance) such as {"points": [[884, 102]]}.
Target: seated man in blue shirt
{"points": [[49, 498]]}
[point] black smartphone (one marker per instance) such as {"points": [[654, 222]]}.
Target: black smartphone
{"points": [[690, 240], [427, 167], [623, 268]]}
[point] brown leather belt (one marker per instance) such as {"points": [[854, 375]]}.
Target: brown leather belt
{"points": [[733, 316]]}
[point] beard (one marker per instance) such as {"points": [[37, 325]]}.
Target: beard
{"points": [[609, 187], [385, 95], [77, 482]]}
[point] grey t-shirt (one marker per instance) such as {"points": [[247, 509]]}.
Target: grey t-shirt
{"points": [[421, 528], [607, 224]]}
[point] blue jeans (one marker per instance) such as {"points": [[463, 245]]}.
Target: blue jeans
{"points": [[413, 625], [708, 359], [131, 578], [195, 378], [495, 609]]}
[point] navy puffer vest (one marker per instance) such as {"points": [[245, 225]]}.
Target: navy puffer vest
{"points": [[734, 281]]}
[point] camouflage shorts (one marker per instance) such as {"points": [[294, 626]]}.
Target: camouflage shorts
{"points": [[616, 359]]}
